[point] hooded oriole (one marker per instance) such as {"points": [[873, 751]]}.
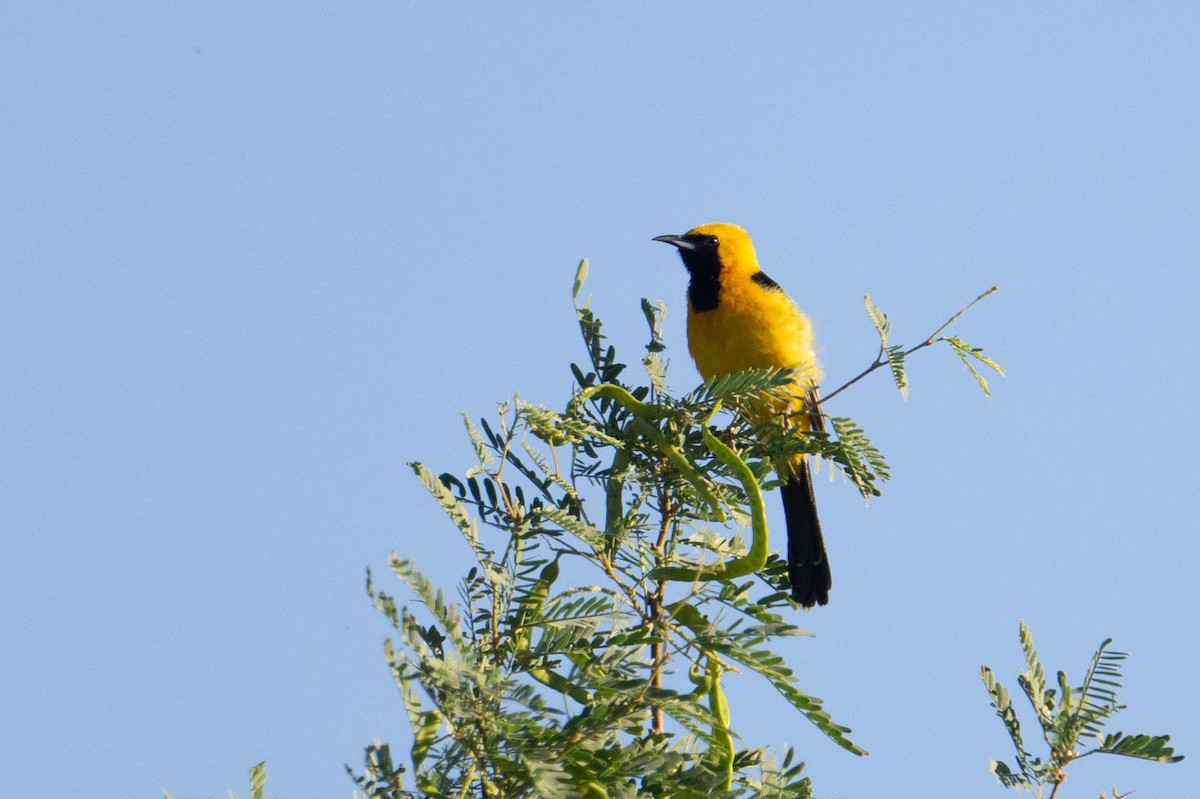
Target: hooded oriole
{"points": [[738, 318]]}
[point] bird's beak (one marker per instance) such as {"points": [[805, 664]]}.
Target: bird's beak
{"points": [[676, 241]]}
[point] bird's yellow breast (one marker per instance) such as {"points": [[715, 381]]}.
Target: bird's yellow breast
{"points": [[752, 327]]}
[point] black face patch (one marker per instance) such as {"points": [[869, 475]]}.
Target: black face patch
{"points": [[704, 266], [761, 279]]}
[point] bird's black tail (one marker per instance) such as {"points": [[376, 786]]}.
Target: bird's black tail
{"points": [[808, 565]]}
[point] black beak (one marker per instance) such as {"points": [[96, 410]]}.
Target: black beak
{"points": [[676, 241]]}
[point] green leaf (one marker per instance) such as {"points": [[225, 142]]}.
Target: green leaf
{"points": [[655, 315], [258, 780], [656, 370], [481, 450], [967, 354], [747, 384], [574, 525], [1145, 747], [381, 778], [1098, 694], [895, 355], [450, 503], [878, 318], [857, 457], [580, 278], [1033, 680], [1007, 777], [1002, 702]]}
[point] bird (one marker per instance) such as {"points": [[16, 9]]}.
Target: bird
{"points": [[738, 319]]}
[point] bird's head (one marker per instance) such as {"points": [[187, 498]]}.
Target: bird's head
{"points": [[709, 250]]}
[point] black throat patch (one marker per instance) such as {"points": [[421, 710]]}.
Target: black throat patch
{"points": [[704, 290]]}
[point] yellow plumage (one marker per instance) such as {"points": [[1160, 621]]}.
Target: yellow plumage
{"points": [[738, 318], [752, 327]]}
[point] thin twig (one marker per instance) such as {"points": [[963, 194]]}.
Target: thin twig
{"points": [[933, 338], [962, 311], [879, 361], [654, 602]]}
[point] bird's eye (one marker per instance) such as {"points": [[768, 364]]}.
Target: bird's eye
{"points": [[712, 241]]}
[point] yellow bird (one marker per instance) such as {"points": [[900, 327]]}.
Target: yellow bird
{"points": [[738, 318]]}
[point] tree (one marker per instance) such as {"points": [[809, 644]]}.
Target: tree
{"points": [[609, 683], [587, 649]]}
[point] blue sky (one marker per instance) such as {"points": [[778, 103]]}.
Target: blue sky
{"points": [[258, 257]]}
